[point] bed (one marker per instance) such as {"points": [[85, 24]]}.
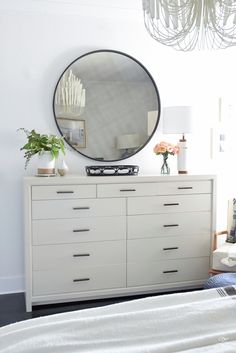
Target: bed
{"points": [[196, 322]]}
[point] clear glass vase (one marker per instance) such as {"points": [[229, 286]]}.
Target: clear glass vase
{"points": [[165, 169], [62, 167]]}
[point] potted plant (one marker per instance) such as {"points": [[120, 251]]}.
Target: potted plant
{"points": [[47, 147]]}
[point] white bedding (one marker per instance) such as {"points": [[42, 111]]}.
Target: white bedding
{"points": [[196, 322], [224, 257]]}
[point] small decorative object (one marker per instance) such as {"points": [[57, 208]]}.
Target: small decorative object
{"points": [[62, 167], [47, 147], [165, 148], [106, 170]]}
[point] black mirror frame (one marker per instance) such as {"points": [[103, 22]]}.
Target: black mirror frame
{"points": [[154, 85]]}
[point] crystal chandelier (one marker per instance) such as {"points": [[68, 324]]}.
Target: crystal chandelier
{"points": [[189, 24]]}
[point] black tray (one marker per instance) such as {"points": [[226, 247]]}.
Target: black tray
{"points": [[110, 170]]}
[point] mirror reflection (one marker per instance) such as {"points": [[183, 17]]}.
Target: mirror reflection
{"points": [[107, 105]]}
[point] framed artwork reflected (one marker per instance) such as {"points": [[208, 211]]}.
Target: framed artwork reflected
{"points": [[74, 131]]}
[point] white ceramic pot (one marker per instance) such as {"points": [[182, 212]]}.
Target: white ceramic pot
{"points": [[46, 163]]}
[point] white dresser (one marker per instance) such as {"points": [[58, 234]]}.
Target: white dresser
{"points": [[97, 237]]}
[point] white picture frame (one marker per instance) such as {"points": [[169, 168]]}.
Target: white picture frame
{"points": [[74, 131]]}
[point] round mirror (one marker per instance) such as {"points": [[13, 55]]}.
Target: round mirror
{"points": [[107, 105]]}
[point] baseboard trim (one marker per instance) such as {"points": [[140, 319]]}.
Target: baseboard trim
{"points": [[13, 284]]}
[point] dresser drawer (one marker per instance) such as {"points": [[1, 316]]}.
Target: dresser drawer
{"points": [[77, 208], [80, 280], [185, 187], [59, 231], [124, 190], [164, 248], [169, 204], [58, 192], [168, 224], [171, 271], [77, 256], [152, 189]]}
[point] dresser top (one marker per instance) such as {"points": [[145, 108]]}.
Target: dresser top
{"points": [[80, 179]]}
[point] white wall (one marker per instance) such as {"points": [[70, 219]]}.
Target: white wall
{"points": [[39, 38]]}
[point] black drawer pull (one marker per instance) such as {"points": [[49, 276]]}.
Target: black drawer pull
{"points": [[172, 248], [81, 208], [170, 225], [81, 279], [65, 192], [81, 230], [171, 271], [171, 204], [127, 190], [80, 255], [185, 187]]}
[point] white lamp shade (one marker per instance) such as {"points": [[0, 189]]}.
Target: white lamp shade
{"points": [[177, 120], [128, 141]]}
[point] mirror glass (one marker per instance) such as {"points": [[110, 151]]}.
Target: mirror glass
{"points": [[107, 105]]}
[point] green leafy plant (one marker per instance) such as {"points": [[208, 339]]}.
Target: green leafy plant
{"points": [[39, 143]]}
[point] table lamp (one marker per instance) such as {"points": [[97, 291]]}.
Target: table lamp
{"points": [[128, 143], [178, 120]]}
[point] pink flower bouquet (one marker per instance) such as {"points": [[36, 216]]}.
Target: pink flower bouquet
{"points": [[165, 148]]}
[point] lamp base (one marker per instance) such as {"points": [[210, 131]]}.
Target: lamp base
{"points": [[126, 153], [182, 156]]}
